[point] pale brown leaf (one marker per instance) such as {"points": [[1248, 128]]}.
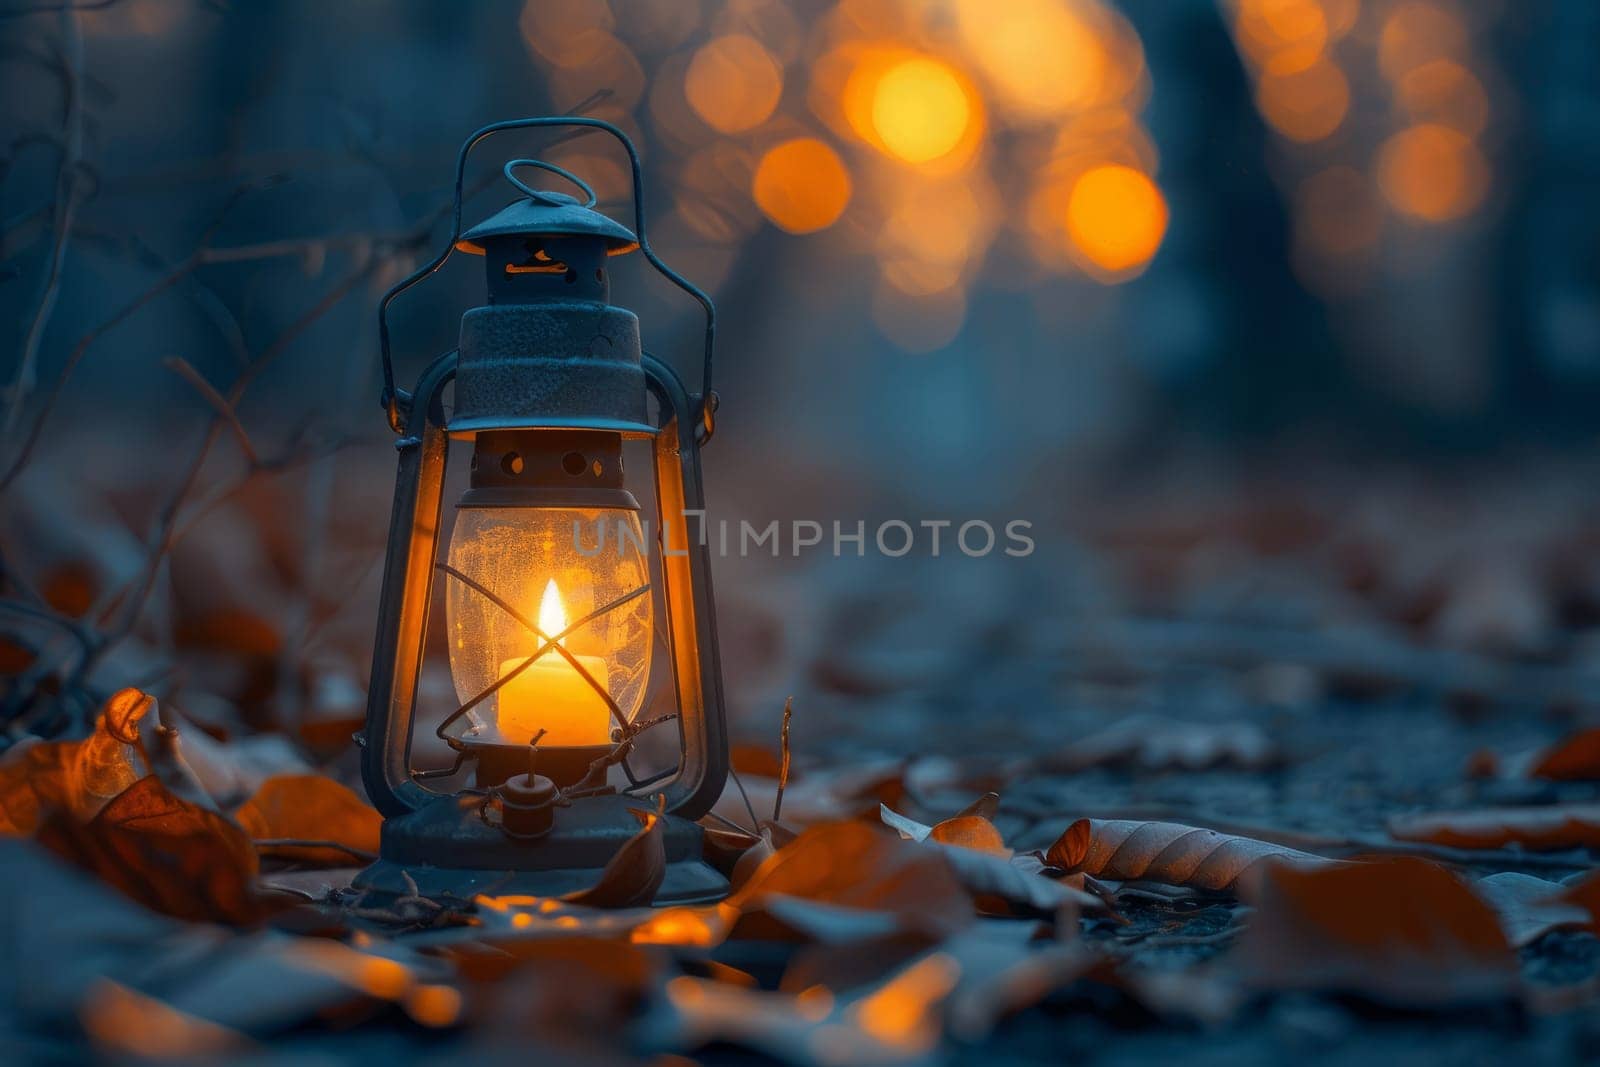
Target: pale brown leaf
{"points": [[1530, 907], [1131, 850], [1558, 826]]}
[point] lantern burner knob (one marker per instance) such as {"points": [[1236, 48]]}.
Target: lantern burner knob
{"points": [[528, 804]]}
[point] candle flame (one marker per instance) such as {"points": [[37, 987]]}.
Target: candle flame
{"points": [[552, 612]]}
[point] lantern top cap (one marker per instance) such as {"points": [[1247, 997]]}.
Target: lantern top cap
{"points": [[549, 215]]}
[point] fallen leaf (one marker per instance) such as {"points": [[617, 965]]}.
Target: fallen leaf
{"points": [[81, 776], [169, 855], [1575, 758], [969, 829], [892, 1022], [1013, 881], [854, 866], [633, 875], [1131, 850], [1530, 907], [972, 832], [1555, 827], [129, 1025], [309, 807], [1400, 930]]}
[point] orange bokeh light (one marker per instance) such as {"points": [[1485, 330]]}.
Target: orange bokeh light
{"points": [[801, 185], [1282, 36], [920, 109], [733, 83], [1116, 218], [1306, 105], [1443, 91], [1433, 173], [1416, 32], [912, 106], [1042, 57]]}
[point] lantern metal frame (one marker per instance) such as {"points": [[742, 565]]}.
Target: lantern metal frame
{"points": [[439, 842]]}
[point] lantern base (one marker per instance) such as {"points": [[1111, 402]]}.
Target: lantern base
{"points": [[447, 849]]}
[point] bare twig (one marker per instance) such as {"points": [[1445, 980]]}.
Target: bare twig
{"points": [[66, 206], [185, 370], [295, 842], [783, 760]]}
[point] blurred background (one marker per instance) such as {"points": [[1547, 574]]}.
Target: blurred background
{"points": [[1279, 320]]}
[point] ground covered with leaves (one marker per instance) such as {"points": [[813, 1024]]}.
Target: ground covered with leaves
{"points": [[1266, 783]]}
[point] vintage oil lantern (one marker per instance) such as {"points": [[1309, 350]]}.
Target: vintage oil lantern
{"points": [[564, 604]]}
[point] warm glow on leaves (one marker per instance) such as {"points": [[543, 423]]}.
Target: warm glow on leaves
{"points": [[1432, 173], [1116, 218], [733, 83], [802, 185]]}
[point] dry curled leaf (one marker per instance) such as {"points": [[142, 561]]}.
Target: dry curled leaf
{"points": [[1558, 826], [309, 807], [79, 777], [635, 873], [167, 854], [1399, 930], [1131, 850]]}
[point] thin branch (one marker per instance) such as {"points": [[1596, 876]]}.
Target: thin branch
{"points": [[48, 9], [783, 764], [185, 370], [66, 206], [295, 842]]}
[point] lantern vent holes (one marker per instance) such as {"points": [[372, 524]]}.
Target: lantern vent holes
{"points": [[511, 463], [574, 464]]}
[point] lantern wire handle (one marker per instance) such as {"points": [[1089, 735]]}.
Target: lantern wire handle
{"points": [[541, 195], [396, 401]]}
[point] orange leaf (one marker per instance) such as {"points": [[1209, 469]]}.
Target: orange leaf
{"points": [[852, 865], [1400, 930], [1555, 827], [309, 807], [1575, 758], [77, 776], [970, 831], [169, 855]]}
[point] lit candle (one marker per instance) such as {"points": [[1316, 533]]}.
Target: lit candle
{"points": [[550, 694]]}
